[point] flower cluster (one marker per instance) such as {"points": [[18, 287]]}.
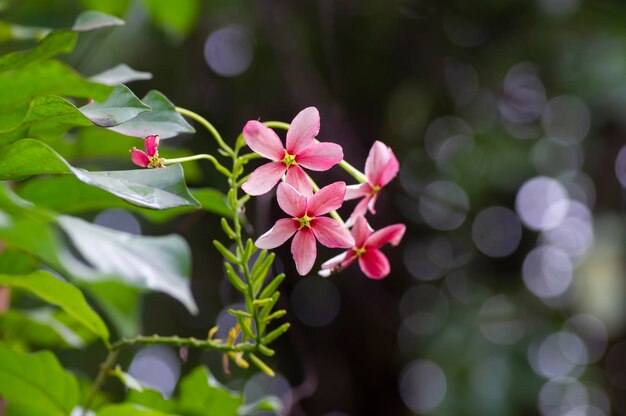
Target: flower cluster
{"points": [[307, 222]]}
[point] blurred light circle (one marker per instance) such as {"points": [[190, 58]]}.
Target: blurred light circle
{"points": [[315, 301], [228, 51], [497, 231], [156, 366], [551, 158], [226, 321], [490, 378], [542, 203], [261, 385], [482, 112], [424, 309], [579, 186], [464, 288], [566, 119], [462, 32], [561, 395], [558, 355], [461, 80], [422, 386], [523, 94], [444, 205], [593, 331], [547, 272], [500, 323], [419, 264], [574, 236], [447, 137], [559, 8], [120, 220], [620, 166]]}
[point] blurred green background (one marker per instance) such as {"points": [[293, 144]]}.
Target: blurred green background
{"points": [[507, 294]]}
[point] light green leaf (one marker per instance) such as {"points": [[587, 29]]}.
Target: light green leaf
{"points": [[120, 74], [179, 17], [157, 263], [57, 292], [201, 394], [55, 43], [152, 188], [36, 384], [163, 120], [121, 303], [114, 7], [127, 409], [152, 399], [266, 404], [122, 105], [47, 78], [128, 380], [91, 20]]}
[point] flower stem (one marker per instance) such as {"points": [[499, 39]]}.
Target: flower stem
{"points": [[221, 169], [208, 126], [178, 342], [100, 379]]}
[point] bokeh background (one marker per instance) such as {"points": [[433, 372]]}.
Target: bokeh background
{"points": [[507, 295]]}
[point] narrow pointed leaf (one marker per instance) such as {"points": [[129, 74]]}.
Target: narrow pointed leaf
{"points": [[92, 20], [63, 294], [120, 74], [122, 105], [36, 384], [163, 120]]}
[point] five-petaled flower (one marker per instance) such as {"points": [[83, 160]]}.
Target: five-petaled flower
{"points": [[300, 150], [149, 158], [366, 249], [381, 167], [307, 223]]}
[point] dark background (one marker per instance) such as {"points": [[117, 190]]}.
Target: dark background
{"points": [[483, 313]]}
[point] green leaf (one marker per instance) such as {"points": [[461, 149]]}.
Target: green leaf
{"points": [[179, 17], [36, 384], [121, 303], [201, 394], [114, 7], [55, 43], [151, 399], [157, 263], [265, 404], [127, 409], [163, 120], [120, 74], [122, 105], [57, 292], [152, 188], [128, 380], [47, 78], [91, 20]]}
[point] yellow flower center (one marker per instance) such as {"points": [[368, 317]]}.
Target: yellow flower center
{"points": [[375, 190], [359, 251], [305, 221], [289, 160]]}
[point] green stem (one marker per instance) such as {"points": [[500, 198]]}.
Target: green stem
{"points": [[211, 158], [100, 378], [208, 126], [178, 342]]}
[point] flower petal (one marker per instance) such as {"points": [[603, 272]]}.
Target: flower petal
{"points": [[391, 234], [357, 191], [278, 234], [335, 261], [263, 179], [376, 163], [361, 231], [303, 129], [331, 234], [391, 170], [139, 157], [374, 264], [327, 199], [290, 201], [371, 205], [263, 140], [320, 156], [359, 211], [151, 143], [297, 178], [304, 251]]}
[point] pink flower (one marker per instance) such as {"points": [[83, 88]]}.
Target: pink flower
{"points": [[307, 224], [366, 248], [381, 167], [301, 150], [149, 158]]}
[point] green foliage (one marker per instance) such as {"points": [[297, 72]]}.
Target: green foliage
{"points": [[91, 20], [120, 74], [57, 292], [178, 17], [36, 384]]}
